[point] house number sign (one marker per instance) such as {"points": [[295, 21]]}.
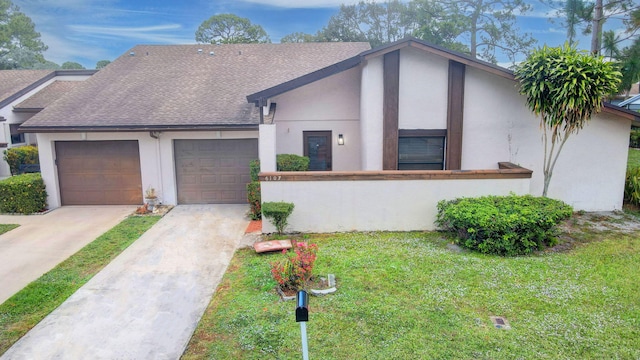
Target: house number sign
{"points": [[272, 178]]}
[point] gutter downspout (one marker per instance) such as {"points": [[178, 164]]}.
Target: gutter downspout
{"points": [[156, 135]]}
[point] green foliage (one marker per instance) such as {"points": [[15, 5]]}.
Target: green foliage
{"points": [[17, 33], [295, 270], [102, 64], [564, 87], [277, 213], [632, 186], [230, 29], [71, 65], [634, 138], [254, 198], [23, 194], [503, 225], [254, 169], [21, 155], [7, 227], [291, 162]]}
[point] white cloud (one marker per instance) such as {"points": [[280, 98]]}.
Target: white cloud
{"points": [[305, 3], [165, 34]]}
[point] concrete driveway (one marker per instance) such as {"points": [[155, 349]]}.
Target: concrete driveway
{"points": [[146, 303], [43, 241]]}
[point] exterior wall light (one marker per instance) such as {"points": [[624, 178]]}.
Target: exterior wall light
{"points": [[340, 139]]}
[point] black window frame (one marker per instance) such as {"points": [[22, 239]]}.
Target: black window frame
{"points": [[16, 136], [431, 133]]}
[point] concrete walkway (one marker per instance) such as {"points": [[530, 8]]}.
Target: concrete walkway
{"points": [[146, 303], [43, 241]]}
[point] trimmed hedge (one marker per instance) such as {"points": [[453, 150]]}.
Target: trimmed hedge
{"points": [[291, 162], [277, 212], [254, 169], [23, 194], [503, 225], [21, 155], [254, 197]]}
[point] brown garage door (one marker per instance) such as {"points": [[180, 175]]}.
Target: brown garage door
{"points": [[214, 171], [99, 172]]}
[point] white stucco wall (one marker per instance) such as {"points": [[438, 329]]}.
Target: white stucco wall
{"points": [[589, 174], [371, 105], [423, 90], [331, 104], [394, 205], [156, 157]]}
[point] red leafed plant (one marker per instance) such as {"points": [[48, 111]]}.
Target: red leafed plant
{"points": [[295, 270]]}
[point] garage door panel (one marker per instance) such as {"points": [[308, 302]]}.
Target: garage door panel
{"points": [[99, 172], [213, 171]]}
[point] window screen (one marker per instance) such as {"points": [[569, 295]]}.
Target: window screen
{"points": [[421, 153]]}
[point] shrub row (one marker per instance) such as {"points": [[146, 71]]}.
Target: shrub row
{"points": [[503, 225], [634, 137], [284, 162], [23, 194], [21, 155]]}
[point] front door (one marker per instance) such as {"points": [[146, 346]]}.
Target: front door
{"points": [[317, 146]]}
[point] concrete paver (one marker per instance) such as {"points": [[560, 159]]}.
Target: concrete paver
{"points": [[146, 303], [43, 241]]}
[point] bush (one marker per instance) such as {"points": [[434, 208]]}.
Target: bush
{"points": [[277, 212], [254, 169], [255, 199], [632, 186], [295, 270], [21, 155], [23, 194], [291, 162], [634, 138], [503, 225]]}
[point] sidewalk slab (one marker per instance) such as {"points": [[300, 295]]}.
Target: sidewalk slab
{"points": [[147, 302], [43, 241]]}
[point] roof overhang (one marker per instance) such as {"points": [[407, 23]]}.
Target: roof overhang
{"points": [[634, 116], [261, 98], [137, 128]]}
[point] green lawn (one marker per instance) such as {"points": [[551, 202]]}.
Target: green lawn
{"points": [[633, 161], [7, 227], [25, 309], [407, 296]]}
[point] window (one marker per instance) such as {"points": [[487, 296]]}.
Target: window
{"points": [[421, 149], [16, 137]]}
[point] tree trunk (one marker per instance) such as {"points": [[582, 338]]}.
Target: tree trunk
{"points": [[596, 31]]}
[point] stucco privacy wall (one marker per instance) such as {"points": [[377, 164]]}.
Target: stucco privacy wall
{"points": [[331, 104], [589, 174], [393, 205], [423, 90], [156, 157]]}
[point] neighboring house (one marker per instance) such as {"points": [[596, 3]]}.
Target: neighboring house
{"points": [[174, 118], [632, 103], [23, 93], [390, 132]]}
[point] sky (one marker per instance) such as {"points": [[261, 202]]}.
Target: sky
{"points": [[87, 31]]}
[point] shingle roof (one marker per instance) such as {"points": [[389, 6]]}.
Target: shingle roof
{"points": [[177, 86], [14, 82], [48, 95]]}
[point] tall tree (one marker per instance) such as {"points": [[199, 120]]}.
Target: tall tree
{"points": [[102, 63], [489, 26], [564, 87], [376, 23], [576, 12], [630, 66], [438, 27], [72, 65], [610, 44], [298, 37], [17, 31], [230, 29]]}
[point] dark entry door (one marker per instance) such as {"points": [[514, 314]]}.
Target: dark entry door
{"points": [[317, 146]]}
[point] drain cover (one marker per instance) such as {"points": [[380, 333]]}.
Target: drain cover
{"points": [[500, 323]]}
